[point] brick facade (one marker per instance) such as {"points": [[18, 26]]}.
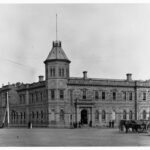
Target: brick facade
{"points": [[61, 100]]}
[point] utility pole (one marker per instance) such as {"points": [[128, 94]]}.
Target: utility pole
{"points": [[7, 108]]}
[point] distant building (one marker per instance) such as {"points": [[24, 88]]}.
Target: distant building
{"points": [[61, 100]]}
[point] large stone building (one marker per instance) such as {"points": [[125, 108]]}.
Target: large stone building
{"points": [[61, 100]]}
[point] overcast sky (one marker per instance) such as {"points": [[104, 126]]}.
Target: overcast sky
{"points": [[107, 40]]}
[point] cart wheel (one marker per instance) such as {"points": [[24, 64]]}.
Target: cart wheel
{"points": [[148, 129]]}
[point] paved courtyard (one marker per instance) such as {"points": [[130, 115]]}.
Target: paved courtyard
{"points": [[71, 137]]}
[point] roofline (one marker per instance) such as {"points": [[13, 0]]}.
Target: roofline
{"points": [[52, 60]]}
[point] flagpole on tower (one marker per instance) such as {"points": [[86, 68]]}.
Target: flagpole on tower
{"points": [[56, 27]]}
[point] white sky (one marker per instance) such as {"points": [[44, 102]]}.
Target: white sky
{"points": [[107, 40]]}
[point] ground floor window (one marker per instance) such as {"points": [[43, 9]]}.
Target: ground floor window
{"points": [[96, 115], [103, 115], [61, 115], [130, 115], [124, 115], [144, 114]]}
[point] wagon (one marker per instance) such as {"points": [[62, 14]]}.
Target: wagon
{"points": [[134, 126]]}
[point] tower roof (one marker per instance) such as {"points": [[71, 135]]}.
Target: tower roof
{"points": [[57, 53]]}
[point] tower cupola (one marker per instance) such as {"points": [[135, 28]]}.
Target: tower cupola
{"points": [[57, 53]]}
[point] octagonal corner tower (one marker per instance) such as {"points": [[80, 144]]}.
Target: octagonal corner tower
{"points": [[57, 74]]}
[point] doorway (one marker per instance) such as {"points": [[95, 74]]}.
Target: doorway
{"points": [[84, 116]]}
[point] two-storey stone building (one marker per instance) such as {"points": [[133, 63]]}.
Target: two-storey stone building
{"points": [[61, 100]]}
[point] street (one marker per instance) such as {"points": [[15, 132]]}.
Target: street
{"points": [[71, 137]]}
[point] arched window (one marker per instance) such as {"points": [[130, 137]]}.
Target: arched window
{"points": [[130, 115], [124, 115], [144, 114], [21, 115], [41, 113], [16, 115], [96, 115], [61, 115], [24, 115], [103, 115], [37, 114]]}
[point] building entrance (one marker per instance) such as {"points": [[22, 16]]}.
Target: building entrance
{"points": [[84, 116]]}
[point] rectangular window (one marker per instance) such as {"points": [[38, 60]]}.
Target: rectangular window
{"points": [[41, 96], [84, 94], [24, 99], [124, 96], [36, 96], [130, 96], [144, 96], [53, 72], [60, 72], [32, 98], [61, 94], [103, 95], [20, 99], [114, 95], [52, 94], [96, 95]]}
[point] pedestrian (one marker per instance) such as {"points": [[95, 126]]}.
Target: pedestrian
{"points": [[29, 125], [112, 123]]}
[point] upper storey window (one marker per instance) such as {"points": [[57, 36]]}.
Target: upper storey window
{"points": [[124, 95], [103, 95], [84, 94], [114, 95], [130, 96], [52, 72], [144, 96], [52, 94], [96, 95], [22, 99], [61, 95], [61, 72]]}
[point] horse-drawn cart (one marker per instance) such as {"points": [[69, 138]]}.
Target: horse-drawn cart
{"points": [[134, 126]]}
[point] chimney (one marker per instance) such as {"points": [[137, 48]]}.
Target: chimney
{"points": [[129, 77], [41, 78], [84, 74]]}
